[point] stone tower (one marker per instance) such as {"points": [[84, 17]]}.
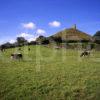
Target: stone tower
{"points": [[74, 26]]}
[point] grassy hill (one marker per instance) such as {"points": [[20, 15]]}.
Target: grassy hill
{"points": [[49, 74], [72, 34]]}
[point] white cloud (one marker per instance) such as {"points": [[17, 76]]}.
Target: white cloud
{"points": [[28, 36], [29, 25], [55, 24], [2, 42], [32, 39], [40, 32], [12, 41], [25, 35]]}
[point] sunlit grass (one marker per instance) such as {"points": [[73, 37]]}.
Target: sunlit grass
{"points": [[49, 74]]}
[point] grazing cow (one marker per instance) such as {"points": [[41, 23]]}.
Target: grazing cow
{"points": [[57, 47], [29, 49], [15, 56], [19, 49], [85, 53]]}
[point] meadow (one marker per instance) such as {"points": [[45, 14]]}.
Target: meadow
{"points": [[49, 74]]}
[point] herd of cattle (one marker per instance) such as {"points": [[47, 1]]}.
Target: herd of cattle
{"points": [[19, 56]]}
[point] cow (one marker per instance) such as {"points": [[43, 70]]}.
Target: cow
{"points": [[19, 49], [57, 47], [85, 53], [29, 49], [16, 56]]}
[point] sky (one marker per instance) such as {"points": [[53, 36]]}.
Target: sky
{"points": [[31, 18]]}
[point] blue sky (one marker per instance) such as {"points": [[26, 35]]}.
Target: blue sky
{"points": [[30, 18]]}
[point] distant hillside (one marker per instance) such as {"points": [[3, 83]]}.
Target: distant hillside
{"points": [[72, 34], [96, 37]]}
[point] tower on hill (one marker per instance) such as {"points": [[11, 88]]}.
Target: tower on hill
{"points": [[74, 26], [72, 34]]}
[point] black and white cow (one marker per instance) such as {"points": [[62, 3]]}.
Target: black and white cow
{"points": [[16, 56], [85, 53]]}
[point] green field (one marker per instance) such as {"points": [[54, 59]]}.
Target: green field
{"points": [[49, 74]]}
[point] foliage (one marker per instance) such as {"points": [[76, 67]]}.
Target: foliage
{"points": [[42, 40], [97, 37], [21, 41]]}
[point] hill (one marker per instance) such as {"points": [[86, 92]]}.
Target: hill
{"points": [[72, 34]]}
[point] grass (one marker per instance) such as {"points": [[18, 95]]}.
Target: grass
{"points": [[49, 74]]}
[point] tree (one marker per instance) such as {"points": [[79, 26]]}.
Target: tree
{"points": [[21, 41], [42, 40], [54, 40], [32, 43], [97, 37], [7, 45]]}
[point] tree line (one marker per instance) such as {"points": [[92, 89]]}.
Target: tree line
{"points": [[42, 40]]}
